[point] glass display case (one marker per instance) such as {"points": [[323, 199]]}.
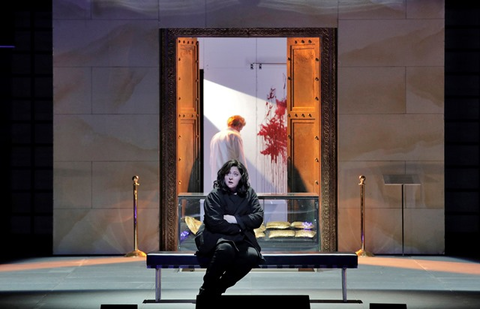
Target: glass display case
{"points": [[291, 221]]}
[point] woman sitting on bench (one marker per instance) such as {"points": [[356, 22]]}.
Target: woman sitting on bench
{"points": [[226, 237]]}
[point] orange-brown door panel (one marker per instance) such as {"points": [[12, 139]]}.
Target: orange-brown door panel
{"points": [[302, 168], [188, 124], [303, 105]]}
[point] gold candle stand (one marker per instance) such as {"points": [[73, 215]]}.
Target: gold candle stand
{"points": [[362, 251], [135, 252]]}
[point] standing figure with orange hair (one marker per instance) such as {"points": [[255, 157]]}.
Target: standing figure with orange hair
{"points": [[227, 145]]}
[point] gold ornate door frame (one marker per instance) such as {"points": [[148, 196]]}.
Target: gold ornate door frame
{"points": [[168, 119]]}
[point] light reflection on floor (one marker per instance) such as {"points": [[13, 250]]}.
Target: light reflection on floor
{"points": [[59, 262], [429, 264]]}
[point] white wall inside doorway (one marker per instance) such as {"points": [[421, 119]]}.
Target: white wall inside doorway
{"points": [[236, 83]]}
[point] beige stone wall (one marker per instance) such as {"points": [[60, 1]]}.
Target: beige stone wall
{"points": [[390, 121], [106, 93]]}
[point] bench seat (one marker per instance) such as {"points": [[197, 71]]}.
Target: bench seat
{"points": [[188, 259]]}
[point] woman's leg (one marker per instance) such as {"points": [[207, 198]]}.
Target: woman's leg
{"points": [[246, 259], [222, 258]]}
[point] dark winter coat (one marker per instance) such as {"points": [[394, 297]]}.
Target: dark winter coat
{"points": [[247, 211]]}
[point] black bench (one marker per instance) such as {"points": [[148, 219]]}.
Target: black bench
{"points": [[187, 259]]}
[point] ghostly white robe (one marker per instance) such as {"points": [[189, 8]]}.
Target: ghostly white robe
{"points": [[225, 145]]}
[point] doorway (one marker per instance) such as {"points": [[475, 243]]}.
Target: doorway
{"points": [[247, 77], [169, 117]]}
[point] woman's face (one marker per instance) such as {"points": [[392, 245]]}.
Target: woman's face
{"points": [[232, 178]]}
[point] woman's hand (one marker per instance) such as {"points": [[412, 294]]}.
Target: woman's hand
{"points": [[230, 219]]}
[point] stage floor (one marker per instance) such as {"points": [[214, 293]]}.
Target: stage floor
{"points": [[90, 281]]}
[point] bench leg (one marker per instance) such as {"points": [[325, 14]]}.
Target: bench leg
{"points": [[344, 284], [158, 284]]}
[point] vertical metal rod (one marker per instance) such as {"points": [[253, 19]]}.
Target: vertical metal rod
{"points": [[135, 252], [362, 210], [158, 284], [362, 251], [403, 219], [135, 203]]}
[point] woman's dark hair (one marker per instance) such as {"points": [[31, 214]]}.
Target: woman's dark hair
{"points": [[243, 184]]}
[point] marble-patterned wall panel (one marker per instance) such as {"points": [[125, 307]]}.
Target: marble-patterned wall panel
{"points": [[103, 231], [72, 185], [431, 193], [148, 226], [182, 14], [425, 89], [371, 90], [73, 90], [367, 9], [112, 184], [125, 9], [349, 229], [271, 13], [106, 138], [71, 9], [390, 137], [377, 194], [391, 42], [125, 90], [427, 196], [425, 9], [424, 231], [382, 230], [86, 231], [108, 43]]}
